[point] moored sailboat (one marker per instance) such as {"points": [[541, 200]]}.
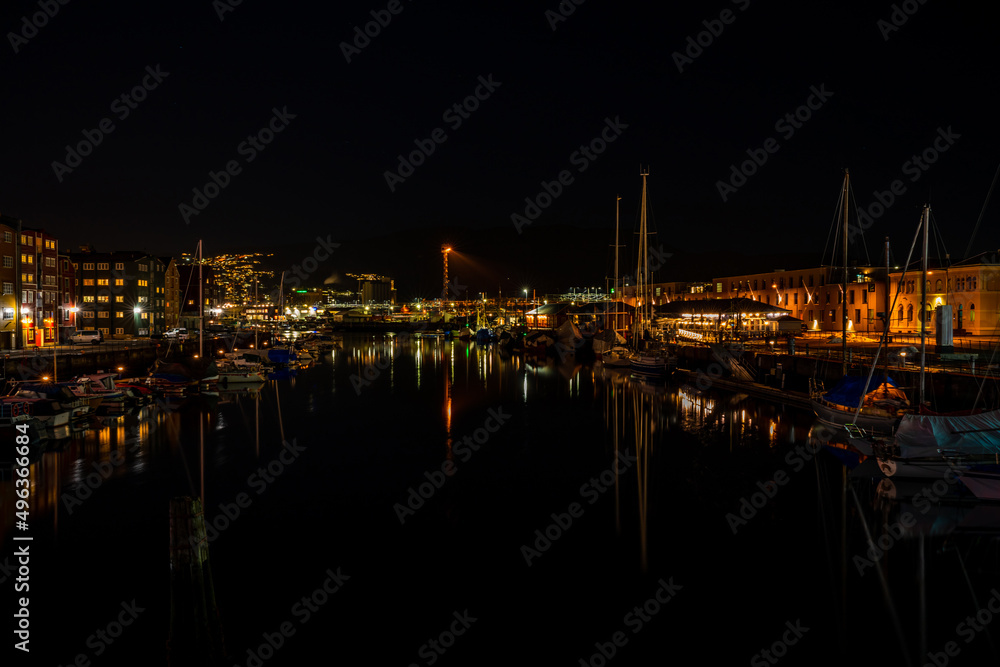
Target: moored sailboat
{"points": [[650, 357]]}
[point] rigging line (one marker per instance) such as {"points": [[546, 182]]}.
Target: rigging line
{"points": [[975, 229], [857, 215], [833, 227], [888, 318], [885, 586]]}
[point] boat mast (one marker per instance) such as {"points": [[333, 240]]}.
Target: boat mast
{"points": [[618, 293], [843, 290], [888, 310], [923, 301], [201, 307], [643, 264]]}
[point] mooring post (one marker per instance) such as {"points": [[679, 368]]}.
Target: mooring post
{"points": [[195, 628]]}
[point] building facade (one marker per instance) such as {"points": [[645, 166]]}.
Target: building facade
{"points": [[815, 295], [117, 293], [971, 288]]}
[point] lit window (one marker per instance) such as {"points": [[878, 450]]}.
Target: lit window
{"points": [[102, 282], [119, 282]]}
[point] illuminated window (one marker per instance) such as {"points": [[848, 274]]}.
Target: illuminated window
{"points": [[103, 298], [103, 282], [27, 258], [88, 299], [119, 314], [119, 299], [88, 282], [119, 282]]}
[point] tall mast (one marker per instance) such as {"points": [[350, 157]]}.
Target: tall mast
{"points": [[643, 263], [201, 306], [843, 287], [888, 309], [923, 301], [617, 290]]}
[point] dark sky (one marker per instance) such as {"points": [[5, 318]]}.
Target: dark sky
{"points": [[889, 94]]}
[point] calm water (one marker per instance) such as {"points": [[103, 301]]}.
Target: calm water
{"points": [[523, 441]]}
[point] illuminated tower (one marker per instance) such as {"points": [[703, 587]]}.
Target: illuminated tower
{"points": [[445, 249]]}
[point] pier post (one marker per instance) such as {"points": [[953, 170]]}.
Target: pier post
{"points": [[195, 628]]}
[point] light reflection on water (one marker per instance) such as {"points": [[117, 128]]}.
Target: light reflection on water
{"points": [[682, 439]]}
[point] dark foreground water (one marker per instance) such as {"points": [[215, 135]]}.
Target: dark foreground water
{"points": [[336, 530]]}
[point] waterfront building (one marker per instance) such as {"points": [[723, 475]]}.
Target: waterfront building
{"points": [[374, 289], [10, 233], [117, 292], [67, 309], [211, 294], [171, 293], [39, 273], [814, 295], [971, 288]]}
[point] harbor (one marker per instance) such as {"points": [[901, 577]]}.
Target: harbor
{"points": [[539, 471]]}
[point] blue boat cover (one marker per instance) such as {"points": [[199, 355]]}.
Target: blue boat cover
{"points": [[848, 392]]}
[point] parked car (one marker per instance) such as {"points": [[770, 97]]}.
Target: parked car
{"points": [[92, 336], [179, 334]]}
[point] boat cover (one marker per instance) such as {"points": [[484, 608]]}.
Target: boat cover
{"points": [[925, 435], [848, 391]]}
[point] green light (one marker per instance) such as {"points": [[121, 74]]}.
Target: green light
{"points": [[302, 291]]}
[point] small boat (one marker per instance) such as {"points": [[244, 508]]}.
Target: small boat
{"points": [[617, 357], [881, 407]]}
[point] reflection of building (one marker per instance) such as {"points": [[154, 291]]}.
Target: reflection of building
{"points": [[971, 287], [373, 289]]}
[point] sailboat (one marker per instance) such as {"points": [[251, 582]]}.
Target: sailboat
{"points": [[855, 400], [614, 353], [927, 445], [649, 357]]}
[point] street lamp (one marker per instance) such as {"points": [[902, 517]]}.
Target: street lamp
{"points": [[524, 310]]}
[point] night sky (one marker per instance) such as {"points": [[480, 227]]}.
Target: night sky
{"points": [[887, 93]]}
